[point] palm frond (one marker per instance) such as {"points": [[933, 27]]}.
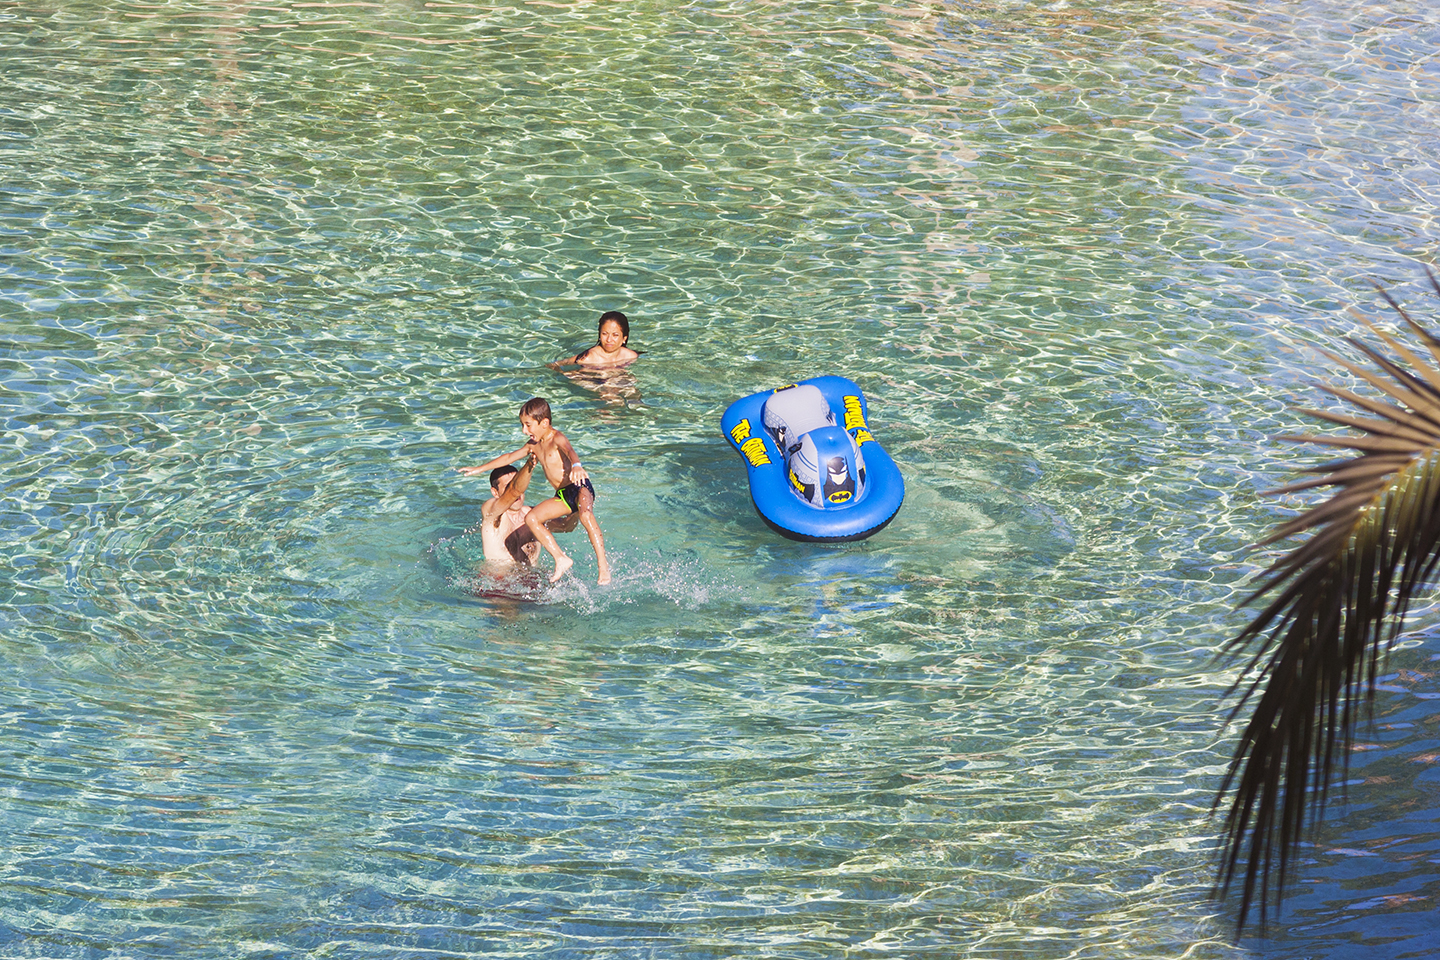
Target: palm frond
{"points": [[1334, 605]]}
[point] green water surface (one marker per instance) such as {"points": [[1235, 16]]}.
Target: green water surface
{"points": [[270, 272]]}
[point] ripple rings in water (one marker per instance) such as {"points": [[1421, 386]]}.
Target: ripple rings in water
{"points": [[270, 273]]}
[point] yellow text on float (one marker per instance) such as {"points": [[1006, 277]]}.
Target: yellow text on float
{"points": [[854, 414], [855, 417], [754, 450], [752, 447]]}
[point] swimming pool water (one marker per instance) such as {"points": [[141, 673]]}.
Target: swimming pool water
{"points": [[272, 272]]}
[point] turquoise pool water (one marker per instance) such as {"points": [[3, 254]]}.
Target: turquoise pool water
{"points": [[271, 272]]}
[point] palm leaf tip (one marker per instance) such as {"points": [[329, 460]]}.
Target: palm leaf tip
{"points": [[1334, 603]]}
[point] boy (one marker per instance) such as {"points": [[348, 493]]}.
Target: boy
{"points": [[574, 494], [503, 533]]}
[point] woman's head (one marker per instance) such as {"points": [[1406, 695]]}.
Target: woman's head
{"points": [[614, 330]]}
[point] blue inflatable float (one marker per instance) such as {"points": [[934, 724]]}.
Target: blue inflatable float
{"points": [[815, 471]]}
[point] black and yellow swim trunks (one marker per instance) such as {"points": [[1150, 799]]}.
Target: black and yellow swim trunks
{"points": [[570, 494]]}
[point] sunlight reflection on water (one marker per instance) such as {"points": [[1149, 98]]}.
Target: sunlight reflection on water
{"points": [[272, 274]]}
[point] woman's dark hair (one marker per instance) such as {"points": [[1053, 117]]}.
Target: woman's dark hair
{"points": [[619, 319]]}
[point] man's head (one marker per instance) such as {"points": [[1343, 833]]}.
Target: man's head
{"points": [[501, 478]]}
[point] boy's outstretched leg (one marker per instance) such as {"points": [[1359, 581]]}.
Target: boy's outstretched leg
{"points": [[535, 520], [597, 540]]}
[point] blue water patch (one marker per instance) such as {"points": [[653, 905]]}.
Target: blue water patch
{"points": [[272, 276]]}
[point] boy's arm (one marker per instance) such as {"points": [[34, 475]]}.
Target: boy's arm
{"points": [[515, 491], [497, 462], [569, 459]]}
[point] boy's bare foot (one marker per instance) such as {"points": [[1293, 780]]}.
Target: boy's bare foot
{"points": [[604, 576], [562, 566]]}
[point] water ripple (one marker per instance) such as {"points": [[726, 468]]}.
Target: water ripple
{"points": [[271, 274]]}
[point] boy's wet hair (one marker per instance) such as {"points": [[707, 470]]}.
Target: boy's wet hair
{"points": [[619, 319], [498, 474], [537, 408]]}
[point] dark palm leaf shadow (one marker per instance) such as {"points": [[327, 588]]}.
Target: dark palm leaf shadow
{"points": [[1336, 603]]}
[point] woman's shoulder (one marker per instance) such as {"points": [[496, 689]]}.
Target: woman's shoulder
{"points": [[595, 357]]}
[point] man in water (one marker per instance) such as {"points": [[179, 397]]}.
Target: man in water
{"points": [[574, 493], [503, 533]]}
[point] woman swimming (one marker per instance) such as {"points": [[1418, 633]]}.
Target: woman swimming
{"points": [[610, 349]]}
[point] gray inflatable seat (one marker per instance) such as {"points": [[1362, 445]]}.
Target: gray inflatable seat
{"points": [[794, 412]]}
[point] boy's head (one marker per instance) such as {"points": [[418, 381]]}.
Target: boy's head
{"points": [[536, 408], [535, 417], [501, 478]]}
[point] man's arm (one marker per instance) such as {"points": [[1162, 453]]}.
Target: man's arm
{"points": [[515, 491]]}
